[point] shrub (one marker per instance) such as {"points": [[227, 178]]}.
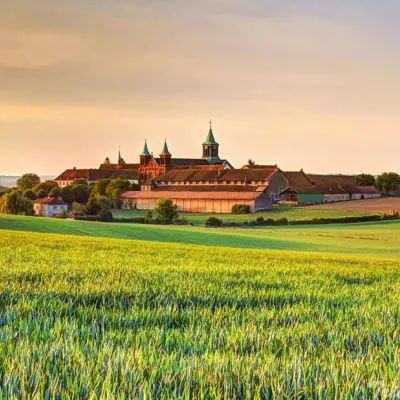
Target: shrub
{"points": [[259, 220], [240, 209], [62, 215], [213, 222], [105, 216], [77, 207]]}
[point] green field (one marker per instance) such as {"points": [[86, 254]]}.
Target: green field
{"points": [[371, 239], [291, 213], [160, 315]]}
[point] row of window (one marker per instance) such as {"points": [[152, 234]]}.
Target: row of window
{"points": [[215, 183]]}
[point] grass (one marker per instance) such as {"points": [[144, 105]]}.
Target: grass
{"points": [[371, 239], [85, 317], [291, 213]]}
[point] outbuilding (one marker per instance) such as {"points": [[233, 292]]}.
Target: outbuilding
{"points": [[210, 198]]}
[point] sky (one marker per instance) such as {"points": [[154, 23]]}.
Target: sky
{"points": [[302, 83]]}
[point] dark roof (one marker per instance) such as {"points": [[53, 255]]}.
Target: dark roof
{"points": [[54, 201], [259, 166], [361, 189], [330, 180], [298, 179], [176, 162], [199, 175], [96, 174], [118, 166]]}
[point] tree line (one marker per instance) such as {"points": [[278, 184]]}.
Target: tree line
{"points": [[385, 182], [81, 196]]}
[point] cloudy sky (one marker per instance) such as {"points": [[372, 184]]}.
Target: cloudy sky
{"points": [[303, 83]]}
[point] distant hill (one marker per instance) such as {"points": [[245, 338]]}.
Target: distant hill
{"points": [[11, 181]]}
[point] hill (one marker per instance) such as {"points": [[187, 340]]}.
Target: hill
{"points": [[86, 317], [371, 239]]}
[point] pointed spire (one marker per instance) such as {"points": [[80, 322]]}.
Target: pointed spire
{"points": [[165, 151], [145, 151], [120, 159], [210, 137]]}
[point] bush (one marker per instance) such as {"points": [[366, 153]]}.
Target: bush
{"points": [[105, 216], [62, 215], [259, 220], [77, 207], [213, 222], [96, 203], [240, 209]]}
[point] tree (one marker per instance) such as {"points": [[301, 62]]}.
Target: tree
{"points": [[47, 186], [81, 193], [67, 195], [388, 181], [15, 203], [365, 180], [115, 188], [100, 187], [135, 187], [166, 211], [96, 203], [41, 194], [30, 194], [80, 181], [55, 192], [28, 181]]}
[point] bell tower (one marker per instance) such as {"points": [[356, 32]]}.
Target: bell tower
{"points": [[165, 156], [144, 155], [211, 148]]}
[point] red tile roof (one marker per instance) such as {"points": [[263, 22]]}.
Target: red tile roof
{"points": [[95, 174], [211, 192], [54, 201], [227, 175]]}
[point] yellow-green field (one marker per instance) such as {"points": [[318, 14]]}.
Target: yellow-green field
{"points": [[101, 317]]}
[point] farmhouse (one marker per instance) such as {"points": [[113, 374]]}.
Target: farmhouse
{"points": [[306, 189], [49, 206]]}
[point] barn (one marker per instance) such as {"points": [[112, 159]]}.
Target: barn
{"points": [[210, 198]]}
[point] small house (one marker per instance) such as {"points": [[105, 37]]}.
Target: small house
{"points": [[49, 206]]}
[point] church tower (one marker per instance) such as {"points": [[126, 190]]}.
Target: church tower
{"points": [[210, 148], [145, 154], [165, 156]]}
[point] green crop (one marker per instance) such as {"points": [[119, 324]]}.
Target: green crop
{"points": [[94, 318]]}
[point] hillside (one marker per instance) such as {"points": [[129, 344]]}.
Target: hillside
{"points": [[371, 239], [90, 317]]}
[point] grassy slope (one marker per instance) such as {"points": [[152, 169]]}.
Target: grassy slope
{"points": [[291, 213], [372, 239], [107, 318]]}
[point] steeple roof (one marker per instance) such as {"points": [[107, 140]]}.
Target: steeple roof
{"points": [[165, 151], [210, 137], [145, 151]]}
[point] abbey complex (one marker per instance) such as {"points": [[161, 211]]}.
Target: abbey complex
{"points": [[212, 184]]}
